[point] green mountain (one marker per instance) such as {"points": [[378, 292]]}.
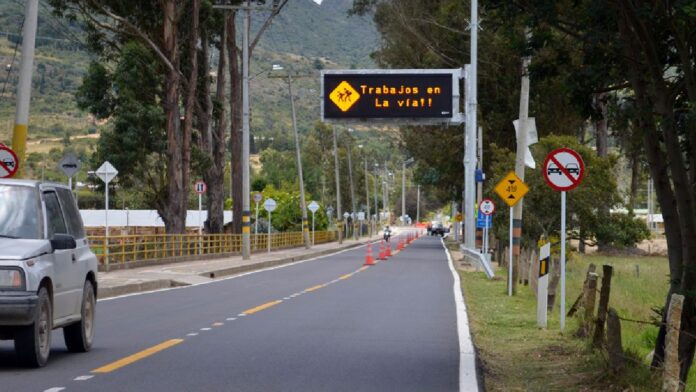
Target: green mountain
{"points": [[304, 37]]}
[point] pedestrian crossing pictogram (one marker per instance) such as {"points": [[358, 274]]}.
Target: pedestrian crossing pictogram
{"points": [[344, 96]]}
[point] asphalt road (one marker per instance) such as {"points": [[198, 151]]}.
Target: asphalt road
{"points": [[321, 325]]}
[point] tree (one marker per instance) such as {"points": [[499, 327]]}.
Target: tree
{"points": [[113, 23], [647, 48]]}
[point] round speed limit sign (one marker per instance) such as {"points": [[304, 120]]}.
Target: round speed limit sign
{"points": [[487, 207]]}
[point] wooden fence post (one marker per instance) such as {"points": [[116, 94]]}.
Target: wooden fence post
{"points": [[598, 338], [670, 377], [590, 270], [614, 347], [589, 300]]}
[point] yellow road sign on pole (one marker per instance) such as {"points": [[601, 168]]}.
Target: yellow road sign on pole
{"points": [[511, 189]]}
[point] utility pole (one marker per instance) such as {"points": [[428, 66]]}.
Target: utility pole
{"points": [[246, 188], [377, 217], [471, 127], [519, 170], [367, 192], [21, 127], [246, 202], [403, 193], [303, 205], [352, 189], [339, 215], [418, 205]]}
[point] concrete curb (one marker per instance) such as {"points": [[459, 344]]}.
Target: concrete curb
{"points": [[131, 288]]}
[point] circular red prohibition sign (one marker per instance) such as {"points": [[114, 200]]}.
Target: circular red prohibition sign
{"points": [[9, 163], [563, 169]]}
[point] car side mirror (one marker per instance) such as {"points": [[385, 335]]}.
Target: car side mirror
{"points": [[63, 241]]}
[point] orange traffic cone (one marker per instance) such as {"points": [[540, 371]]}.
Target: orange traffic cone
{"points": [[368, 258], [388, 249], [382, 255], [400, 245]]}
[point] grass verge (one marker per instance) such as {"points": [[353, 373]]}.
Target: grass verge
{"points": [[516, 355]]}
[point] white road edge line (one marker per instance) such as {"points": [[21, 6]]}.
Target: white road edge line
{"points": [[54, 389], [206, 329], [233, 276], [467, 356], [192, 334], [82, 378], [231, 318]]}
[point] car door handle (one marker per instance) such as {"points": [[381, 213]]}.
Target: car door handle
{"points": [[74, 259]]}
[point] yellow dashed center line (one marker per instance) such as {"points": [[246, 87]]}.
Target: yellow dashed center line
{"points": [[261, 307], [363, 268], [314, 288], [346, 276], [137, 356]]}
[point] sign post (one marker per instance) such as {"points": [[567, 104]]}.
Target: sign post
{"points": [[314, 207], [106, 172], [200, 189], [9, 163], [270, 206], [511, 189], [345, 222], [257, 198], [543, 285], [487, 208], [563, 170], [70, 165]]}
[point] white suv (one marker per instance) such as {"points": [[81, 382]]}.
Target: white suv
{"points": [[48, 274]]}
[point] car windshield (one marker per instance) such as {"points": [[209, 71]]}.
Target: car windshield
{"points": [[19, 212]]}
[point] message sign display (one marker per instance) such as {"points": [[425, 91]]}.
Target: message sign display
{"points": [[404, 96]]}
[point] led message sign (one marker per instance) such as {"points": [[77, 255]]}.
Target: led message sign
{"points": [[414, 96]]}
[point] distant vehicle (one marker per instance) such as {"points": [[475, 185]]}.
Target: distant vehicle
{"points": [[438, 229], [47, 271]]}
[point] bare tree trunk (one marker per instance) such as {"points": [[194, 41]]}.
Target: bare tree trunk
{"points": [[175, 214], [635, 178], [216, 173], [601, 128], [236, 125], [189, 106]]}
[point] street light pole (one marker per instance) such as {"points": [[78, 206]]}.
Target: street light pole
{"points": [[367, 197], [352, 188]]}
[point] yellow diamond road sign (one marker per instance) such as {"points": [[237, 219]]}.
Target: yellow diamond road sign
{"points": [[344, 96], [511, 189]]}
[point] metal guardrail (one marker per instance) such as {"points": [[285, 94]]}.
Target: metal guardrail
{"points": [[128, 248]]}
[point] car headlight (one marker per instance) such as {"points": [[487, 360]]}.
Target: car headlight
{"points": [[11, 279]]}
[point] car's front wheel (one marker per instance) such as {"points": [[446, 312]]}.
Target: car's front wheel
{"points": [[33, 342], [79, 336]]}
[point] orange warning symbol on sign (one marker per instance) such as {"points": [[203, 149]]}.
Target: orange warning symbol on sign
{"points": [[344, 96]]}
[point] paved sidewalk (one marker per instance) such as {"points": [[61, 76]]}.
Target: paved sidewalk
{"points": [[127, 281]]}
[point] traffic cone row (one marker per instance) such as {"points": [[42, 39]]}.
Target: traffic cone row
{"points": [[368, 258]]}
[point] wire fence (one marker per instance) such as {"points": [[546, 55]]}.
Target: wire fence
{"points": [[130, 248]]}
